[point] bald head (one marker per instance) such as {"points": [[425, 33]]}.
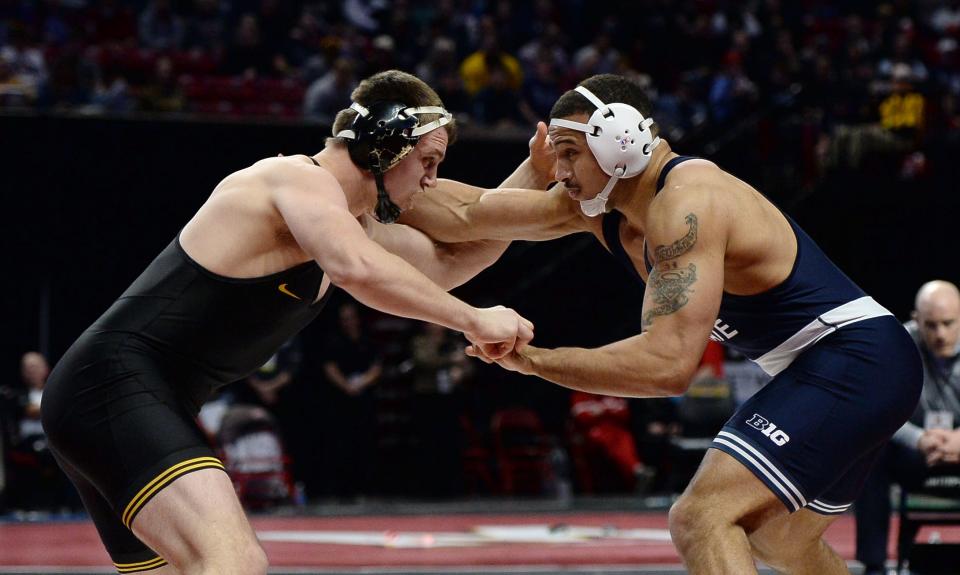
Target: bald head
{"points": [[937, 313]]}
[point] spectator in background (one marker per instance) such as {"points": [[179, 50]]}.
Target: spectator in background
{"points": [[35, 480], [58, 27], [23, 69], [160, 28], [598, 57], [732, 93], [247, 56], [604, 422], [206, 28], [680, 112], [540, 90], [73, 80], [162, 94], [382, 55], [364, 14], [408, 42], [946, 17], [353, 366], [304, 43], [265, 386], [275, 18], [902, 110], [439, 367], [111, 94], [452, 21], [107, 23], [256, 426], [496, 104], [547, 47], [331, 92], [477, 68], [930, 440], [439, 70], [34, 370]]}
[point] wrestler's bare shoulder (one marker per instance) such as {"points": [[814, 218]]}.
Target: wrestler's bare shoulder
{"points": [[692, 186], [280, 171]]}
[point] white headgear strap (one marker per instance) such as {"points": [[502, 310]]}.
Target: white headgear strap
{"points": [[443, 120], [619, 138]]}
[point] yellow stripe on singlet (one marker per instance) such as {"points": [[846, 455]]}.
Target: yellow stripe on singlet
{"points": [[162, 480], [141, 566]]}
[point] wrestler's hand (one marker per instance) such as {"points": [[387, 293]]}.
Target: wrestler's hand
{"points": [[517, 360], [499, 330], [543, 158]]}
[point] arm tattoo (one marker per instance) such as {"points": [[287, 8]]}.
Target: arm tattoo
{"points": [[670, 288], [680, 246], [670, 284]]}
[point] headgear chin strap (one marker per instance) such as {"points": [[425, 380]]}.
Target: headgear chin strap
{"points": [[381, 136], [621, 141]]}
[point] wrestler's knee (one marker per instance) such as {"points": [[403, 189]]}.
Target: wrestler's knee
{"points": [[248, 559], [255, 560], [688, 519], [241, 558]]}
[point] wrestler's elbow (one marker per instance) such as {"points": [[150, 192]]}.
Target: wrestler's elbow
{"points": [[350, 269], [676, 376]]}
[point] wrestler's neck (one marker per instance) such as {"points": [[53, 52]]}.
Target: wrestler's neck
{"points": [[632, 196], [359, 186]]}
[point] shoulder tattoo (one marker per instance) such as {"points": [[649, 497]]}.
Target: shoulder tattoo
{"points": [[671, 284], [681, 246]]}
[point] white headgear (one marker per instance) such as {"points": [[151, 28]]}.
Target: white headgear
{"points": [[621, 141]]}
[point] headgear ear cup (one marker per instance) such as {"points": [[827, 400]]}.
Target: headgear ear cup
{"points": [[381, 136], [619, 138]]}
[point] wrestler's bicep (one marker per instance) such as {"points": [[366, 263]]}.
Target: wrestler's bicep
{"points": [[457, 212], [685, 286]]}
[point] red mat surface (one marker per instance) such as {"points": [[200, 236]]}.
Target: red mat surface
{"points": [[390, 541]]}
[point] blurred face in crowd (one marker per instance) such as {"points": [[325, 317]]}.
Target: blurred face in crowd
{"points": [[34, 370], [350, 321], [418, 169], [576, 166], [938, 316]]}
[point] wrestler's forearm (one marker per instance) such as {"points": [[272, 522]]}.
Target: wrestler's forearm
{"points": [[389, 284], [464, 260], [606, 372]]}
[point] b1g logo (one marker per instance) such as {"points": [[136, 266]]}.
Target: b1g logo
{"points": [[769, 429]]}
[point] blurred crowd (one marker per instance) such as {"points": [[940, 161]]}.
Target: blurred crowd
{"points": [[710, 63]]}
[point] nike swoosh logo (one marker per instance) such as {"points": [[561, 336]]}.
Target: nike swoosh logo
{"points": [[283, 289]]}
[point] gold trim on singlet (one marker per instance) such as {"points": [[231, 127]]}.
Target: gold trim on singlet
{"points": [[164, 479], [141, 566]]}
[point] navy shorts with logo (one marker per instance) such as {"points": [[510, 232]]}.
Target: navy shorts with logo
{"points": [[812, 434]]}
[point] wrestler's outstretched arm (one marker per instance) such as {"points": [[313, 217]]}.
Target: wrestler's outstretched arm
{"points": [[447, 264], [314, 209], [451, 255], [681, 302], [519, 209]]}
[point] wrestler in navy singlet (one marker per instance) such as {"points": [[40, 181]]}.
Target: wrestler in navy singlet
{"points": [[846, 373], [119, 408]]}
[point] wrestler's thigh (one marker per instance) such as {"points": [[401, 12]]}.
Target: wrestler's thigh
{"points": [[197, 515]]}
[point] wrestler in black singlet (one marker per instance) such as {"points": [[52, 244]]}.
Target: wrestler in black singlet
{"points": [[119, 408]]}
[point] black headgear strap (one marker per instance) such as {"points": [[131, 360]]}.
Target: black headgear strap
{"points": [[386, 211], [381, 136]]}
